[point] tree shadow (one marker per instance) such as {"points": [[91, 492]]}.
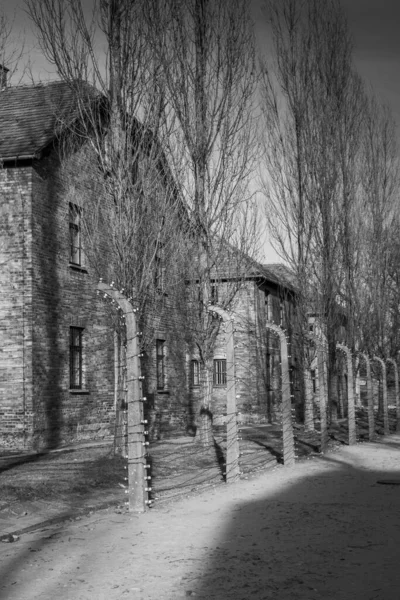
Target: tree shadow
{"points": [[276, 453], [221, 458], [322, 529], [83, 499]]}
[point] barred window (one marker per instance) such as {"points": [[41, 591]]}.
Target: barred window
{"points": [[75, 358], [75, 238], [194, 373], [219, 375], [160, 364]]}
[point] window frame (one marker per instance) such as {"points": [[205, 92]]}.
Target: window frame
{"points": [[219, 372], [194, 373], [75, 234], [76, 358], [159, 273]]}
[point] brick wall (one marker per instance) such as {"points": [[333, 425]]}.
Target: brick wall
{"points": [[65, 296], [257, 358], [41, 297], [15, 306]]}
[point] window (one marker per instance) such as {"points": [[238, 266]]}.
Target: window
{"points": [[158, 273], [214, 293], [267, 308], [75, 358], [160, 364], [194, 373], [219, 375], [75, 239]]}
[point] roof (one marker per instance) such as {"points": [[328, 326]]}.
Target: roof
{"points": [[283, 274], [236, 264], [30, 117]]}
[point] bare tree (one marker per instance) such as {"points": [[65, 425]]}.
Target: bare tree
{"points": [[313, 105], [380, 209], [11, 48], [206, 53], [133, 214]]}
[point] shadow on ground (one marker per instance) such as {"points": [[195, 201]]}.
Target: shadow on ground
{"points": [[332, 534], [324, 529]]}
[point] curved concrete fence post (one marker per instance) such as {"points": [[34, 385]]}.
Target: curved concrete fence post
{"points": [[370, 398], [396, 391], [137, 486], [232, 441], [351, 411], [386, 429], [287, 427]]}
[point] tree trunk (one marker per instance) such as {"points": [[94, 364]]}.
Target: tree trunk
{"points": [[380, 399], [205, 429], [308, 402], [333, 396]]}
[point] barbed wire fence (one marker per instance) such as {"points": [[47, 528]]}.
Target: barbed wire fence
{"points": [[136, 479], [156, 437]]}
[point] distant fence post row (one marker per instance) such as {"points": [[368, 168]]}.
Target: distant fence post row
{"points": [[320, 344], [137, 474]]}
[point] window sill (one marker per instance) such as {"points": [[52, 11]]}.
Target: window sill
{"points": [[79, 391], [79, 268], [162, 391]]}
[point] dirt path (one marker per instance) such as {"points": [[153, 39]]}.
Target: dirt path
{"points": [[324, 529]]}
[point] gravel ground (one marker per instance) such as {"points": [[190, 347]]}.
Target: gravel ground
{"points": [[323, 529]]}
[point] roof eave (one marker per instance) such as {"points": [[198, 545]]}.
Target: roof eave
{"points": [[20, 157]]}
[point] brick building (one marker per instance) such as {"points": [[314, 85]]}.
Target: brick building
{"points": [[51, 388], [59, 354], [265, 294]]}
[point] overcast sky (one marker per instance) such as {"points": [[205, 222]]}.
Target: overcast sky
{"points": [[374, 24]]}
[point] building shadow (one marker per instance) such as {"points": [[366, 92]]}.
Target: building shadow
{"points": [[333, 534]]}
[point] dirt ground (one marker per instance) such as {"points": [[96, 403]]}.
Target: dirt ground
{"points": [[323, 529]]}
